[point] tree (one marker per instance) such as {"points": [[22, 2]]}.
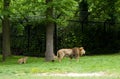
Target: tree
{"points": [[58, 11], [83, 6], [49, 55], [6, 30], [43, 9]]}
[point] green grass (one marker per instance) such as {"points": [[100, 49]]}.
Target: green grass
{"points": [[110, 64]]}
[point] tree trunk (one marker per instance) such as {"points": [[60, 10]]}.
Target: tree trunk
{"points": [[83, 6], [6, 31], [49, 54]]}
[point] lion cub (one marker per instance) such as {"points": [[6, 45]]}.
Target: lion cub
{"points": [[22, 60]]}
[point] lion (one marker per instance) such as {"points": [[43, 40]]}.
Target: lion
{"points": [[22, 60], [75, 52]]}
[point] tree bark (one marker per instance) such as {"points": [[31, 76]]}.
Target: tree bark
{"points": [[6, 31], [49, 54]]}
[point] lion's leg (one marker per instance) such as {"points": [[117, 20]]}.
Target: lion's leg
{"points": [[60, 57], [77, 58], [24, 61], [71, 56]]}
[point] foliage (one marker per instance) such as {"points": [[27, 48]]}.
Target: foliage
{"points": [[0, 29], [102, 10], [94, 36], [69, 37], [64, 10], [1, 3], [27, 8], [31, 42]]}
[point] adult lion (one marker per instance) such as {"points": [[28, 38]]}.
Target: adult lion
{"points": [[75, 52]]}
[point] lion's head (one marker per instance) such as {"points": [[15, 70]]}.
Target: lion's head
{"points": [[82, 51]]}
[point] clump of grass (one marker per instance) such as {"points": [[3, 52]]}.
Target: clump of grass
{"points": [[35, 70]]}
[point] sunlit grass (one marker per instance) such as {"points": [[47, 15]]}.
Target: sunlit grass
{"points": [[87, 64]]}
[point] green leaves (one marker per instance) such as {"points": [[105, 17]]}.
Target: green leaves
{"points": [[21, 8], [101, 10], [64, 8], [98, 9]]}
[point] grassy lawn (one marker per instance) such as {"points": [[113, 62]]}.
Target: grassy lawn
{"points": [[108, 64]]}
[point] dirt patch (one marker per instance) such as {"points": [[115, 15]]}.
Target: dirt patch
{"points": [[72, 74]]}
